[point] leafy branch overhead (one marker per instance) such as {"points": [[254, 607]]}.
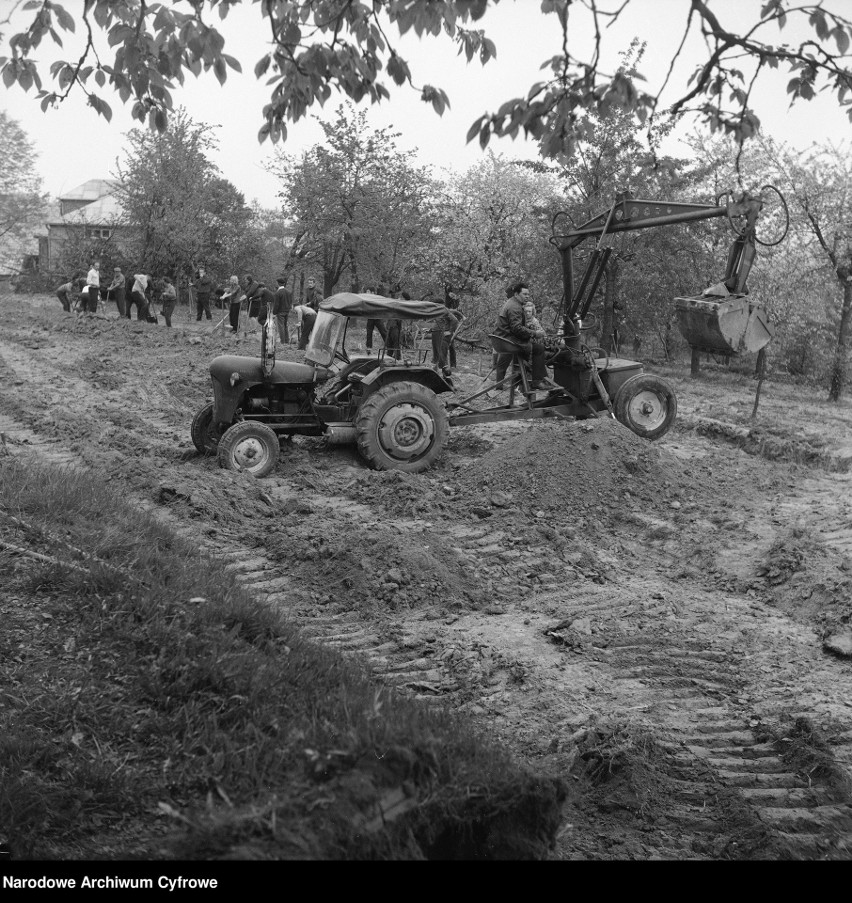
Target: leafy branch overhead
{"points": [[320, 46]]}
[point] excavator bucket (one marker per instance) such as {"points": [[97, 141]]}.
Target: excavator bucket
{"points": [[726, 325]]}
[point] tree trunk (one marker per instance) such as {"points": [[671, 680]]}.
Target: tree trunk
{"points": [[354, 287], [838, 369]]}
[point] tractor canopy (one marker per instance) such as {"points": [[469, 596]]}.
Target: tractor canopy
{"points": [[375, 307], [336, 311]]}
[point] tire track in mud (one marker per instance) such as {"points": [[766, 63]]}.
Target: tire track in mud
{"points": [[699, 688], [826, 506], [689, 680]]}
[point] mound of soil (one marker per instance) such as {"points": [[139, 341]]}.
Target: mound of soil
{"points": [[809, 581], [383, 568], [406, 494], [562, 467]]}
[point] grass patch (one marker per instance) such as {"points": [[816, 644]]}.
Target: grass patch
{"points": [[152, 708]]}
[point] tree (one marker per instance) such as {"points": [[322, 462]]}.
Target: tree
{"points": [[320, 45], [21, 200], [610, 159], [184, 212], [491, 228], [358, 204], [819, 182]]}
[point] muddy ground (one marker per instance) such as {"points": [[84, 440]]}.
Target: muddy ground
{"points": [[666, 626]]}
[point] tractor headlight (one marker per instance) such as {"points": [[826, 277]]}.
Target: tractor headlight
{"points": [[235, 378]]}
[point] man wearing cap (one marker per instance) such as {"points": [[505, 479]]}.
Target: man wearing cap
{"points": [[116, 291]]}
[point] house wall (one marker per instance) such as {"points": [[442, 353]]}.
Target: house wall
{"points": [[59, 237]]}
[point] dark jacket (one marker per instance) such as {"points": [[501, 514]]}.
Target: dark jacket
{"points": [[512, 322], [204, 285], [258, 297], [283, 301], [313, 298]]}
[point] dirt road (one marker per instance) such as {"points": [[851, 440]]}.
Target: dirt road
{"points": [[653, 622]]}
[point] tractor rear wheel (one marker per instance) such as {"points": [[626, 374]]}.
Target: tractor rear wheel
{"points": [[401, 426], [205, 434], [249, 446], [647, 405]]}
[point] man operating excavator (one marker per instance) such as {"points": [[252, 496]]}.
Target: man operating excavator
{"points": [[512, 325]]}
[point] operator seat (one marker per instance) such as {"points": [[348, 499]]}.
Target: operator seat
{"points": [[519, 365]]}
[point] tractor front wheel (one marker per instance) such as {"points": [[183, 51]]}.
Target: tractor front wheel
{"points": [[401, 426], [205, 433], [249, 446], [647, 405]]}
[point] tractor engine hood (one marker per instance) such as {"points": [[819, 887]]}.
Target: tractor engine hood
{"points": [[251, 373]]}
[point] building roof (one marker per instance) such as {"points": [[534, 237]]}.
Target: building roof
{"points": [[89, 191], [105, 211]]}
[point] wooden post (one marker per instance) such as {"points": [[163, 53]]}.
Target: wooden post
{"points": [[695, 363], [761, 374]]}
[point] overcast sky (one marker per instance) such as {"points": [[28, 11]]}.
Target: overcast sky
{"points": [[75, 144]]}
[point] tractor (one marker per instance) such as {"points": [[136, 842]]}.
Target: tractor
{"points": [[393, 409], [390, 408]]}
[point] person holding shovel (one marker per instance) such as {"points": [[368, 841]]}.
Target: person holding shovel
{"points": [[168, 297], [203, 289], [232, 296], [139, 296], [93, 288], [116, 291], [68, 293]]}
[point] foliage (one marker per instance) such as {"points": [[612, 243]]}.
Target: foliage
{"points": [[614, 158], [358, 205], [818, 182], [184, 213], [491, 228], [78, 251], [21, 199], [321, 45]]}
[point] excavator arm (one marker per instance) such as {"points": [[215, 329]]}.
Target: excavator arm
{"points": [[628, 214]]}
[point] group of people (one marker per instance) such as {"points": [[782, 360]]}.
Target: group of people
{"points": [[84, 293], [257, 299], [516, 322]]}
